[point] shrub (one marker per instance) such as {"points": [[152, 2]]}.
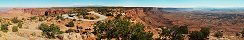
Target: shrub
{"points": [[4, 27], [120, 28], [19, 25], [196, 35], [177, 37], [118, 16], [46, 13], [218, 34], [92, 18], [55, 29], [33, 34], [182, 30], [82, 13], [15, 28], [86, 17], [15, 20], [242, 32], [50, 31], [1, 19], [109, 14], [43, 27], [33, 18], [237, 34], [141, 36], [40, 19], [59, 17], [205, 31], [174, 33], [69, 30], [70, 24], [164, 32]]}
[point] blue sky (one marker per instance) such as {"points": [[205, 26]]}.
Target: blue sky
{"points": [[128, 3]]}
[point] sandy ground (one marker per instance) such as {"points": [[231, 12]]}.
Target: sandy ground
{"points": [[24, 33]]}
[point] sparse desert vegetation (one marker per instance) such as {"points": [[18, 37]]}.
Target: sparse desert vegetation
{"points": [[118, 23], [4, 27]]}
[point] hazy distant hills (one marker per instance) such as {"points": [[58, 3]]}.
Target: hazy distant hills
{"points": [[93, 6], [205, 9], [88, 6], [3, 9]]}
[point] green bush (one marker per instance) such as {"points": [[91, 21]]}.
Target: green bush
{"points": [[70, 24], [196, 35], [50, 31], [218, 34], [15, 28], [43, 27], [19, 25], [59, 17], [121, 28], [33, 18], [86, 17], [174, 33], [4, 27], [141, 36], [200, 35], [83, 13], [205, 31], [69, 30], [15, 20], [177, 37], [164, 32], [182, 30]]}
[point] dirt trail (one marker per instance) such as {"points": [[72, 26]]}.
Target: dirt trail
{"points": [[101, 17]]}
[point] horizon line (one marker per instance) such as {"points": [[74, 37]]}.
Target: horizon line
{"points": [[125, 6]]}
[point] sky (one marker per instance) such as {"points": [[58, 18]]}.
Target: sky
{"points": [[125, 3]]}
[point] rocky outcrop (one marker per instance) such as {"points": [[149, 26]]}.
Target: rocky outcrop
{"points": [[41, 11], [148, 16]]}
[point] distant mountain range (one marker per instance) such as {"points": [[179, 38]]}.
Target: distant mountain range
{"points": [[204, 9], [3, 9], [93, 6]]}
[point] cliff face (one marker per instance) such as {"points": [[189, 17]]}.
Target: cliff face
{"points": [[148, 16], [153, 17], [41, 11]]}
